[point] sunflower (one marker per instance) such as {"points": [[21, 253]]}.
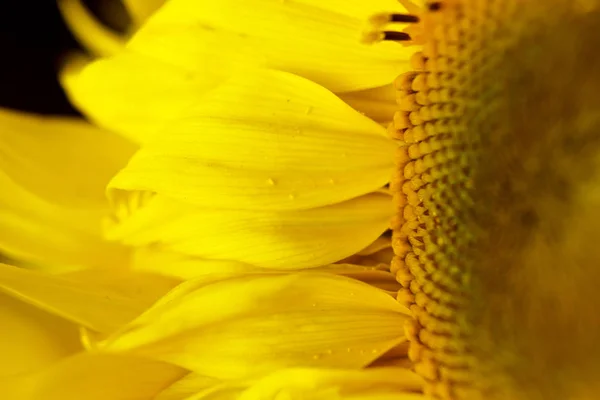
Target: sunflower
{"points": [[290, 199]]}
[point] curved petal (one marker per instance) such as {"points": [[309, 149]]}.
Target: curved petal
{"points": [[210, 270], [134, 94], [93, 376], [320, 40], [248, 326], [289, 144], [101, 305], [95, 37], [31, 339], [198, 387], [379, 103], [323, 384], [53, 237], [140, 10], [286, 239], [60, 159]]}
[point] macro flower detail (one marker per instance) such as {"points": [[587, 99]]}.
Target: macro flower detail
{"points": [[309, 199], [492, 161]]}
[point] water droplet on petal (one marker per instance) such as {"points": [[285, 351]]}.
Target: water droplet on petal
{"points": [[271, 182], [316, 356], [308, 110], [291, 196]]}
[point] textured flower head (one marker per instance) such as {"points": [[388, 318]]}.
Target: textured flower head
{"points": [[347, 199]]}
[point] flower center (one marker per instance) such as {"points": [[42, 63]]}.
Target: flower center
{"points": [[500, 120]]}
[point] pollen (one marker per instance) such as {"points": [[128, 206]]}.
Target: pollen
{"points": [[477, 117]]}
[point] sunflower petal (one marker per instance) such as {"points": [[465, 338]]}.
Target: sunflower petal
{"points": [[134, 94], [100, 306], [379, 103], [325, 384], [63, 160], [198, 387], [254, 325], [185, 267], [315, 39], [286, 239], [94, 376], [290, 144], [91, 33], [31, 339], [56, 238], [141, 10]]}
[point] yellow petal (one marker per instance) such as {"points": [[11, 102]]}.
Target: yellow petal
{"points": [[100, 306], [51, 236], [140, 10], [199, 387], [248, 326], [62, 160], [134, 94], [31, 339], [95, 37], [210, 270], [326, 384], [288, 144], [93, 376], [379, 104], [319, 40], [286, 239], [186, 267]]}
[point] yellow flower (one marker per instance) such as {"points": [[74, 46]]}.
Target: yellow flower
{"points": [[259, 176], [498, 188], [291, 178]]}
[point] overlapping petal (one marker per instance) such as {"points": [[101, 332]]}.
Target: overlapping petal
{"points": [[53, 237], [199, 44], [379, 103], [140, 10], [247, 326], [209, 270], [53, 173], [96, 301], [199, 387], [136, 95], [60, 159], [264, 140], [315, 39], [89, 31], [31, 339], [287, 239], [326, 384], [94, 376]]}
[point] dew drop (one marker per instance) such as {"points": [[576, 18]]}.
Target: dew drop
{"points": [[375, 351], [314, 304], [291, 196], [348, 349], [271, 182], [316, 356], [332, 181], [308, 110], [329, 351]]}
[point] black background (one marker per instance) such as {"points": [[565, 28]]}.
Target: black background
{"points": [[33, 40]]}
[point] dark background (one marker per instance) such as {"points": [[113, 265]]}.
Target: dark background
{"points": [[33, 38]]}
